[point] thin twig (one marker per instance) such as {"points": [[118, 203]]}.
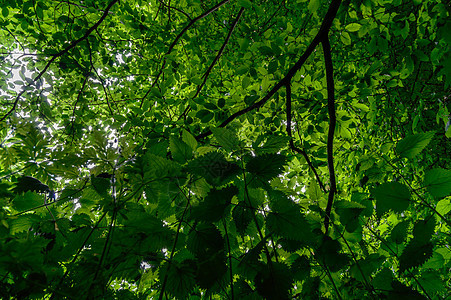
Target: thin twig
{"points": [[207, 73], [191, 23]]}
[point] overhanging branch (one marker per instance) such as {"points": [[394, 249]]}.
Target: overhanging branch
{"points": [[323, 33]]}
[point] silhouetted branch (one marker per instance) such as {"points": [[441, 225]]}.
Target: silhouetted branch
{"points": [[322, 33]]}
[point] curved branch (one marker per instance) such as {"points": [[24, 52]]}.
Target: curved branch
{"points": [[332, 123], [323, 32]]}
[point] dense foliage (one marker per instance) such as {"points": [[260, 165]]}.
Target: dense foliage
{"points": [[225, 150]]}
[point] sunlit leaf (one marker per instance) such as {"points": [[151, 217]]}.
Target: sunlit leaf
{"points": [[438, 182], [226, 138], [412, 145]]}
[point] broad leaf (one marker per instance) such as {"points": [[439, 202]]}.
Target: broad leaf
{"points": [[214, 168], [399, 232], [242, 216], [28, 201], [180, 277], [274, 281], [414, 255], [266, 166], [213, 207], [180, 150], [226, 138], [438, 182], [286, 220], [412, 145], [393, 196]]}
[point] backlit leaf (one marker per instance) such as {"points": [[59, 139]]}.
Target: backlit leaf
{"points": [[412, 145], [438, 182], [393, 196]]}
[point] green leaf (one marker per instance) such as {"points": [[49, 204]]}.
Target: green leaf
{"points": [[5, 11], [180, 151], [211, 269], [226, 138], [213, 207], [189, 139], [22, 223], [274, 281], [400, 291], [432, 282], [245, 3], [155, 166], [205, 240], [393, 196], [314, 5], [204, 115], [435, 262], [353, 27], [399, 232], [101, 185], [414, 255], [412, 145], [329, 253], [180, 277], [214, 168], [443, 206], [266, 166], [286, 220], [242, 215], [28, 183], [366, 266], [438, 182], [423, 230], [300, 267], [349, 213], [27, 201], [383, 280], [274, 143], [314, 190]]}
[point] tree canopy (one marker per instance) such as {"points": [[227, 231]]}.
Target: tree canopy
{"points": [[229, 149]]}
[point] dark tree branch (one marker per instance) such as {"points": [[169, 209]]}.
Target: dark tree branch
{"points": [[292, 146], [325, 26], [207, 73], [59, 54], [179, 36], [332, 123]]}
